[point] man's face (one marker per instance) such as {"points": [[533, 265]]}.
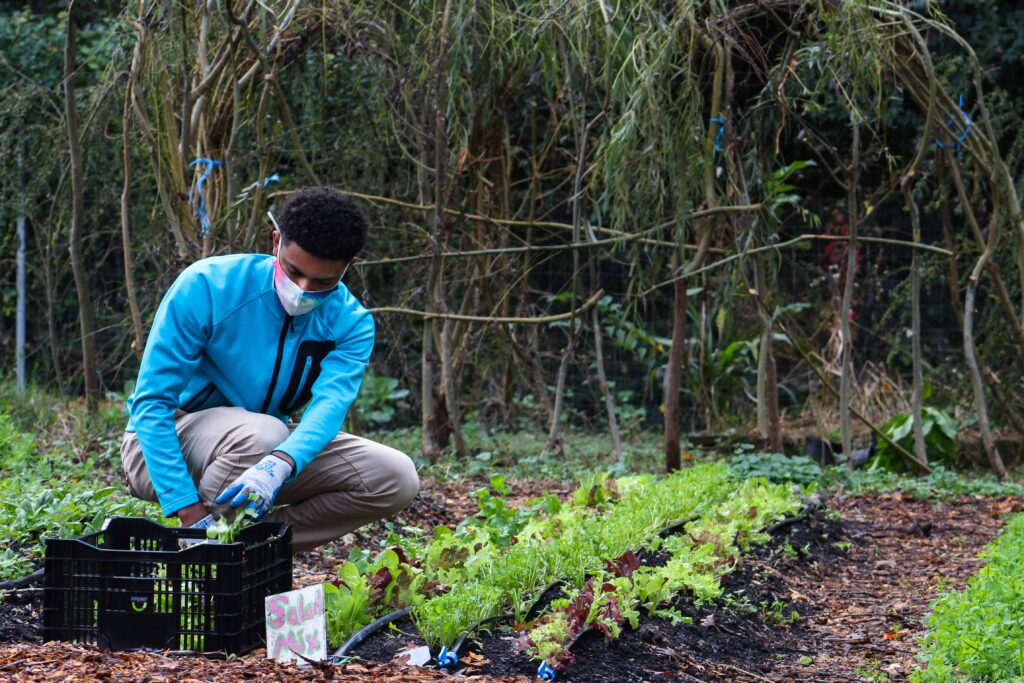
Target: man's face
{"points": [[310, 273]]}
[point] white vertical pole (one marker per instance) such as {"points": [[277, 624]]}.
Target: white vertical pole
{"points": [[20, 325]]}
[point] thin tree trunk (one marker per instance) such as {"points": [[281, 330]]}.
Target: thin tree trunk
{"points": [[581, 137], [51, 321], [994, 459], [678, 351], [673, 372], [851, 274], [769, 422], [920, 449], [602, 378], [139, 344], [553, 443], [992, 266], [1006, 401], [449, 391], [85, 312], [970, 351]]}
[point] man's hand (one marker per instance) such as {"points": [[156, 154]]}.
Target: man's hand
{"points": [[263, 479], [192, 514]]}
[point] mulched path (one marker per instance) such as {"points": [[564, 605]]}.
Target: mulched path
{"points": [[860, 607]]}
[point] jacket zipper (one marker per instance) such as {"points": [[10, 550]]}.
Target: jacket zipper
{"points": [[305, 375], [277, 363]]}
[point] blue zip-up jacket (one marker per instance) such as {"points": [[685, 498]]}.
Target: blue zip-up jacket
{"points": [[222, 338]]}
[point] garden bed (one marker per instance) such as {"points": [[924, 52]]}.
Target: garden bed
{"points": [[860, 611]]}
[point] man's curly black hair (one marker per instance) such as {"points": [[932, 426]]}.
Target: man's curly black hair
{"points": [[325, 222]]}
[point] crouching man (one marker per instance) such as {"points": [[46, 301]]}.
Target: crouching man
{"points": [[238, 345]]}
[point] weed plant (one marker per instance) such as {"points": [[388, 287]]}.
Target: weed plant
{"points": [[978, 634]]}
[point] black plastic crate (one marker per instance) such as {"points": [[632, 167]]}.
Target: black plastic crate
{"points": [[138, 584]]}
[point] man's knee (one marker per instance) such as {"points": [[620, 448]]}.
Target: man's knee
{"points": [[260, 434], [400, 483]]}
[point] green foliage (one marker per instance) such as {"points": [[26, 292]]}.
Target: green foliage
{"points": [[37, 512], [501, 521], [520, 454], [939, 437], [379, 398], [941, 484], [710, 548], [500, 560], [17, 450], [226, 531], [47, 486], [776, 467], [978, 634], [348, 604], [781, 193]]}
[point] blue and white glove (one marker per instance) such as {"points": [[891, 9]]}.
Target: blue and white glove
{"points": [[263, 479], [204, 523]]}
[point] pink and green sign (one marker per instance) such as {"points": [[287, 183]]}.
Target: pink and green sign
{"points": [[296, 625]]}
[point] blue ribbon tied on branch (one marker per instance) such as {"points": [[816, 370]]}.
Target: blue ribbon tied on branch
{"points": [[956, 144], [722, 123], [201, 216]]}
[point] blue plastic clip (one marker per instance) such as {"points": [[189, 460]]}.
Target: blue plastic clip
{"points": [[447, 657], [204, 220], [545, 672], [722, 123], [963, 136], [270, 179]]}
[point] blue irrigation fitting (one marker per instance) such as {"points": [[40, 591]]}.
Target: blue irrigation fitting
{"points": [[722, 123], [447, 657], [204, 220], [545, 672], [963, 136]]}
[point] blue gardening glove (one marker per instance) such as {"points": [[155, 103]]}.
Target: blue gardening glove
{"points": [[263, 479]]}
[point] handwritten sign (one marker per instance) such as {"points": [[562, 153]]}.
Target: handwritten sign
{"points": [[296, 625]]}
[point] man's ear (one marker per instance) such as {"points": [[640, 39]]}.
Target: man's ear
{"points": [[277, 241]]}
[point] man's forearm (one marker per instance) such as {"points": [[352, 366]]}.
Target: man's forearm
{"points": [[191, 514]]}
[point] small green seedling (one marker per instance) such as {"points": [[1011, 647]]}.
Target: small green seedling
{"points": [[224, 531]]}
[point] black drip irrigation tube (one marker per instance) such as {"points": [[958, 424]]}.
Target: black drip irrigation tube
{"points": [[365, 632], [787, 521], [26, 580]]}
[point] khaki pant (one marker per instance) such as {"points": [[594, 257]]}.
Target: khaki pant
{"points": [[352, 482]]}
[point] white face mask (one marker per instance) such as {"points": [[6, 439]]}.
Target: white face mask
{"points": [[295, 299]]}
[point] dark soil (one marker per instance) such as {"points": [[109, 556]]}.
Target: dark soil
{"points": [[21, 617], [385, 645]]}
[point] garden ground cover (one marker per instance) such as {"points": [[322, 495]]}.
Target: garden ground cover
{"points": [[861, 607]]}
